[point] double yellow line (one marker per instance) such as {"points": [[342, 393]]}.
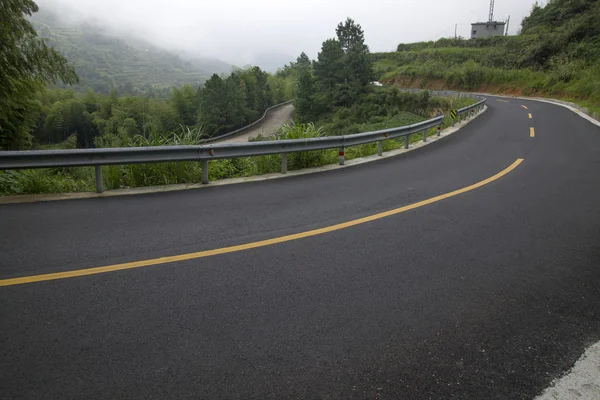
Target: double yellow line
{"points": [[252, 245]]}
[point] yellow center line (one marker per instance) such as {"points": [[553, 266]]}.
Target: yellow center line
{"points": [[530, 116], [531, 132], [253, 245], [504, 101], [525, 107]]}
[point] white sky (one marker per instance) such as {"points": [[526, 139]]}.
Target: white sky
{"points": [[238, 31]]}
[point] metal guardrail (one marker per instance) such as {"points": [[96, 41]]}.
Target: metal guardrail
{"points": [[238, 131], [206, 152], [462, 113]]}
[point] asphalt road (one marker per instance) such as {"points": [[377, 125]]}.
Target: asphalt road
{"points": [[489, 294], [274, 120]]}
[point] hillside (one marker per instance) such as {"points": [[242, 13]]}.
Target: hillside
{"points": [[556, 54], [104, 62]]}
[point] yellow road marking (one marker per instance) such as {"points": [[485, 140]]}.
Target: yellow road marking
{"points": [[504, 101], [253, 245], [531, 132], [525, 107], [530, 116]]}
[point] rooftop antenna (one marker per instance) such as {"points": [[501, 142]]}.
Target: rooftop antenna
{"points": [[491, 19]]}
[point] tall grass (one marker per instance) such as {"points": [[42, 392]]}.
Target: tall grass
{"points": [[41, 181], [136, 175]]}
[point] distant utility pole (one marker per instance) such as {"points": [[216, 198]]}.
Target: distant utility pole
{"points": [[507, 25], [455, 27]]}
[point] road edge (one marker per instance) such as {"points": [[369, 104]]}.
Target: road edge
{"points": [[568, 105], [35, 198], [581, 382]]}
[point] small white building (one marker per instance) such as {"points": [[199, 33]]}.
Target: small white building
{"points": [[487, 29]]}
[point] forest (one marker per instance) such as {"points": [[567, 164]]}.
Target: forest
{"points": [[94, 119]]}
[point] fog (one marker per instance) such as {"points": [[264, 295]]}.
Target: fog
{"points": [[274, 32]]}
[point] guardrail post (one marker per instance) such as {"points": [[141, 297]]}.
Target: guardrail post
{"points": [[341, 155], [284, 163], [425, 135], [439, 129], [380, 148], [406, 140], [99, 181], [204, 163]]}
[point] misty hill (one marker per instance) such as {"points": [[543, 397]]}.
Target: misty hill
{"points": [[104, 61]]}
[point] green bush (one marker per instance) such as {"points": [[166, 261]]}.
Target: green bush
{"points": [[557, 53], [39, 181]]}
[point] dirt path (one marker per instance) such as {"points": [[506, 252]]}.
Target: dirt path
{"points": [[274, 120]]}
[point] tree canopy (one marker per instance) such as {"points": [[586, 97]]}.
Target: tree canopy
{"points": [[27, 65], [340, 75]]}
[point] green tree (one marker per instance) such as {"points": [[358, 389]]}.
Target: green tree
{"points": [[329, 65], [303, 62], [213, 105], [305, 101], [186, 103], [350, 34], [358, 69], [27, 65]]}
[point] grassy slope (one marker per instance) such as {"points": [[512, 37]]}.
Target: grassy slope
{"points": [[104, 62], [557, 54]]}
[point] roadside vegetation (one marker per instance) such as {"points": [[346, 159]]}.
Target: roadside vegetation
{"points": [[333, 95], [223, 104], [556, 54]]}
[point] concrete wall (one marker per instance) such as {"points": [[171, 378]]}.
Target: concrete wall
{"points": [[487, 29]]}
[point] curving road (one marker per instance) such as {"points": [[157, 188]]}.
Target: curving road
{"points": [[488, 293], [274, 120]]}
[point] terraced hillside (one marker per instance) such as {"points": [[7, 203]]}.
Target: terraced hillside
{"points": [[556, 54], [104, 62]]}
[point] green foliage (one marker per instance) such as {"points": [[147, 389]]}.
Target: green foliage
{"points": [[303, 62], [304, 104], [40, 181], [136, 175], [339, 77], [556, 54], [239, 99], [303, 159], [186, 103], [329, 65], [99, 120], [27, 64], [382, 106]]}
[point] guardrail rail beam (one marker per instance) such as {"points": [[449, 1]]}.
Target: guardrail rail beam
{"points": [[10, 160]]}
